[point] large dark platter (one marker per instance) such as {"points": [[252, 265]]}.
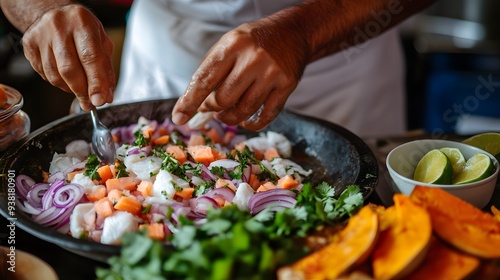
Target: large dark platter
{"points": [[336, 156]]}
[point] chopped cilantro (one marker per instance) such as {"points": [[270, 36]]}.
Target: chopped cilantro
{"points": [[146, 209], [121, 170], [91, 167]]}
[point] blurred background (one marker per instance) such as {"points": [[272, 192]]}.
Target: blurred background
{"points": [[452, 52]]}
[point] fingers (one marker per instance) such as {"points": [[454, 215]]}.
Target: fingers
{"points": [[95, 61], [69, 48], [212, 71], [271, 108]]}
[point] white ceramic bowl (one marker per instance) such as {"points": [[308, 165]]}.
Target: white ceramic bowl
{"points": [[402, 161]]}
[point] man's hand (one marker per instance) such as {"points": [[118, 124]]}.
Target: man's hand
{"points": [[242, 81], [68, 47]]}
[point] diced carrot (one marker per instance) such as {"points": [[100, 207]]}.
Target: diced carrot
{"points": [[228, 137], [145, 188], [115, 138], [129, 204], [185, 193], [155, 231], [220, 200], [72, 174], [201, 153], [196, 140], [122, 183], [162, 140], [223, 183], [162, 130], [178, 153], [254, 182], [266, 186], [105, 173], [96, 194], [147, 132], [103, 207], [115, 195], [218, 155], [271, 153], [287, 182], [213, 135]]}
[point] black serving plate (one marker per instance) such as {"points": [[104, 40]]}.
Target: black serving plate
{"points": [[335, 155]]}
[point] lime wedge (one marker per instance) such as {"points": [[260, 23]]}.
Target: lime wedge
{"points": [[478, 167], [434, 168], [489, 142], [456, 158]]}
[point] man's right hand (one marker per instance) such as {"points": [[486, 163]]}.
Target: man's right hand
{"points": [[69, 48]]}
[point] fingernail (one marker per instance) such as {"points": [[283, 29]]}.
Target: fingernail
{"points": [[180, 118], [97, 99]]}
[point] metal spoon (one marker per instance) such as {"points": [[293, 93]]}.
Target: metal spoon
{"points": [[102, 141]]}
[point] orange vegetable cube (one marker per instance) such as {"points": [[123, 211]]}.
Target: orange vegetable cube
{"points": [[155, 231], [114, 195], [196, 140], [223, 183], [287, 182], [212, 134], [162, 140], [96, 194], [178, 153], [105, 173], [122, 183], [203, 154], [254, 182], [185, 193], [129, 204], [103, 207], [271, 153], [145, 188], [266, 186]]}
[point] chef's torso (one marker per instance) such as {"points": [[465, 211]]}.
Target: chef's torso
{"points": [[359, 88]]}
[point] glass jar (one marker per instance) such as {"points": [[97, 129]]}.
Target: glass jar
{"points": [[14, 123]]}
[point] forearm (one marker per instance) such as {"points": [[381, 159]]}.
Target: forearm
{"points": [[22, 13], [316, 28]]}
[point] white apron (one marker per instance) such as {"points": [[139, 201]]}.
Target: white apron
{"points": [[361, 90]]}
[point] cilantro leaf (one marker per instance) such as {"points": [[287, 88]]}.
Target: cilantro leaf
{"points": [[91, 167]]}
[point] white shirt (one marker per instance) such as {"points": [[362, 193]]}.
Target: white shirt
{"points": [[359, 88]]}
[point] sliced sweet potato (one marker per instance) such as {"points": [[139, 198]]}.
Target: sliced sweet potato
{"points": [[443, 262], [353, 246], [403, 245], [459, 223]]}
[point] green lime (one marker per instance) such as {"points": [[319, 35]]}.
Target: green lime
{"points": [[478, 167], [456, 158], [434, 168], [489, 142]]}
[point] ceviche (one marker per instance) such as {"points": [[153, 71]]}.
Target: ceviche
{"points": [[183, 186]]}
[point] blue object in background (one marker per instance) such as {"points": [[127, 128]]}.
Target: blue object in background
{"points": [[459, 86]]}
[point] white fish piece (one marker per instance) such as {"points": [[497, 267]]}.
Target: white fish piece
{"points": [[61, 163], [199, 120], [283, 167], [142, 166], [84, 181], [79, 149], [280, 142], [269, 140], [116, 225], [243, 194], [165, 184], [81, 220]]}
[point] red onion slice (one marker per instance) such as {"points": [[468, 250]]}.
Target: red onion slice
{"points": [[264, 196], [23, 185]]}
